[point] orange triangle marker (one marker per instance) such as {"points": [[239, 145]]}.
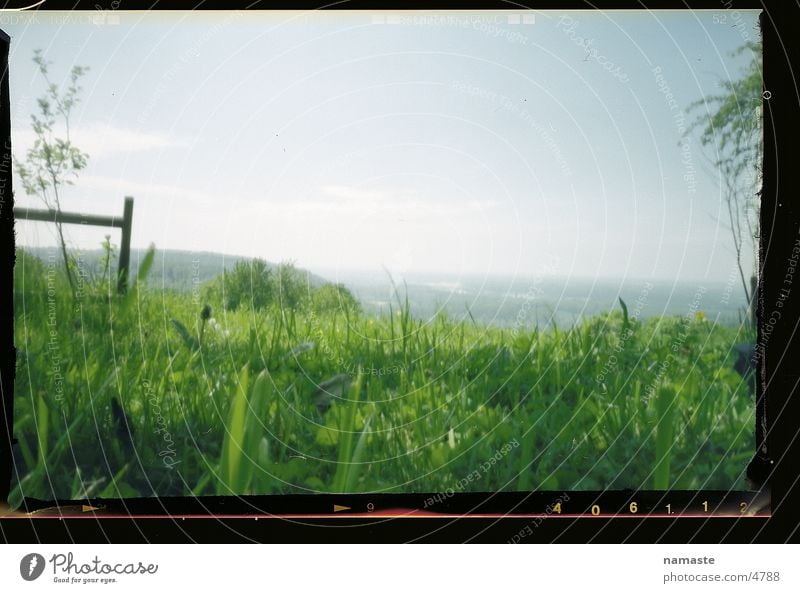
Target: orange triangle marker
{"points": [[338, 507]]}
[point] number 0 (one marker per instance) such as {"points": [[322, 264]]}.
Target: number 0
{"points": [[595, 509]]}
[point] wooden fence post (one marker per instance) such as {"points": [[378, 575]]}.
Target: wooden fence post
{"points": [[95, 220], [125, 246]]}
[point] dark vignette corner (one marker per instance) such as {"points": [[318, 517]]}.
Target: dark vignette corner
{"points": [[778, 375], [7, 352]]}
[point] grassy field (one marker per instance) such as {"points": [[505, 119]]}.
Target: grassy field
{"points": [[145, 395]]}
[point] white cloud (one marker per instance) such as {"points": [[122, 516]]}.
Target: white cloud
{"points": [[145, 189], [391, 203], [354, 194], [103, 139]]}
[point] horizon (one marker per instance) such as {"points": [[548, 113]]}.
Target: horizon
{"points": [[359, 280], [367, 274]]}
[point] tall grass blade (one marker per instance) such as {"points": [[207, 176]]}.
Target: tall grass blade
{"points": [[355, 462], [188, 339], [624, 313], [144, 269], [254, 427], [346, 437], [232, 453], [43, 414], [665, 412], [147, 263]]}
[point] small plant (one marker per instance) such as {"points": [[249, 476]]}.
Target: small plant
{"points": [[108, 255], [205, 315], [54, 161]]}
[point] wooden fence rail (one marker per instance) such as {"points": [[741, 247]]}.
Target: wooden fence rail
{"points": [[125, 222]]}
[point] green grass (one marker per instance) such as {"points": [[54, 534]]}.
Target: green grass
{"points": [[428, 403]]}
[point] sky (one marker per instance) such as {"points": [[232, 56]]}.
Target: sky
{"points": [[453, 143]]}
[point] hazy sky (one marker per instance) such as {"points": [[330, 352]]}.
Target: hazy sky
{"points": [[445, 142]]}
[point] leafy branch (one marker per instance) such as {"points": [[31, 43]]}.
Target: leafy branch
{"points": [[53, 162], [732, 125]]}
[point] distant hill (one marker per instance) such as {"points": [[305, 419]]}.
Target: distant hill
{"points": [[172, 269], [499, 301]]}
